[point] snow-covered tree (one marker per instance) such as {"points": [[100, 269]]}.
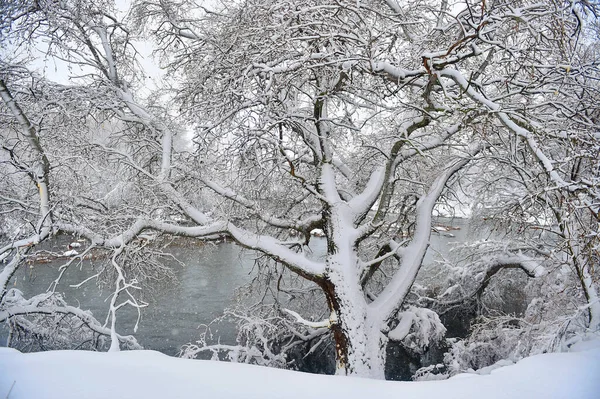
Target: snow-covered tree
{"points": [[320, 103], [351, 119]]}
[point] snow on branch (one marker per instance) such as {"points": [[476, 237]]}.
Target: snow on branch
{"points": [[529, 265], [142, 224], [25, 242], [418, 328], [393, 248], [470, 89], [477, 276], [361, 203], [30, 131], [294, 261], [313, 324], [431, 144], [48, 304], [393, 73], [8, 272], [39, 172], [266, 244], [260, 212], [394, 293]]}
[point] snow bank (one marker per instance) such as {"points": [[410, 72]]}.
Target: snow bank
{"points": [[149, 374]]}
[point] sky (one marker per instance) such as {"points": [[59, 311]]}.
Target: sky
{"points": [[60, 71]]}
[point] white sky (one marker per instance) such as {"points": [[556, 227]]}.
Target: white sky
{"points": [[61, 72]]}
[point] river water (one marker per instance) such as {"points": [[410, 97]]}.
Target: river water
{"points": [[204, 287]]}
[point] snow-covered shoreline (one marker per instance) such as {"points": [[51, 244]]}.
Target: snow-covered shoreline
{"points": [[150, 374]]}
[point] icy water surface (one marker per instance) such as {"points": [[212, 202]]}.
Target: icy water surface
{"points": [[204, 287]]}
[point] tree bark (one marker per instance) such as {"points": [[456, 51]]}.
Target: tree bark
{"points": [[360, 345]]}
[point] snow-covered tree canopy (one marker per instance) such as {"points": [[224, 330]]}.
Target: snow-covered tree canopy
{"points": [[274, 119]]}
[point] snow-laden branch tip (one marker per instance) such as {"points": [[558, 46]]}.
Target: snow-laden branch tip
{"points": [[312, 324], [425, 325], [16, 305]]}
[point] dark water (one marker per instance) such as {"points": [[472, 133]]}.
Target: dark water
{"points": [[205, 287]]}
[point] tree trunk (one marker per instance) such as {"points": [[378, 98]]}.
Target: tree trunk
{"points": [[582, 255], [365, 349], [360, 344], [591, 294]]}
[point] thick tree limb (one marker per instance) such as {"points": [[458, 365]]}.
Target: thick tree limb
{"points": [[392, 297]]}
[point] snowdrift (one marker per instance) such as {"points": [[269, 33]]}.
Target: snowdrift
{"points": [[149, 374]]}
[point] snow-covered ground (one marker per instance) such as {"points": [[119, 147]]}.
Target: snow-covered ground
{"points": [[149, 374]]}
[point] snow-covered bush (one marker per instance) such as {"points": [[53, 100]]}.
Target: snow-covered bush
{"points": [[257, 333], [47, 322], [417, 329], [267, 334], [550, 322], [265, 337]]}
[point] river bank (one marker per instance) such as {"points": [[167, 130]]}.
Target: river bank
{"points": [[149, 375]]}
